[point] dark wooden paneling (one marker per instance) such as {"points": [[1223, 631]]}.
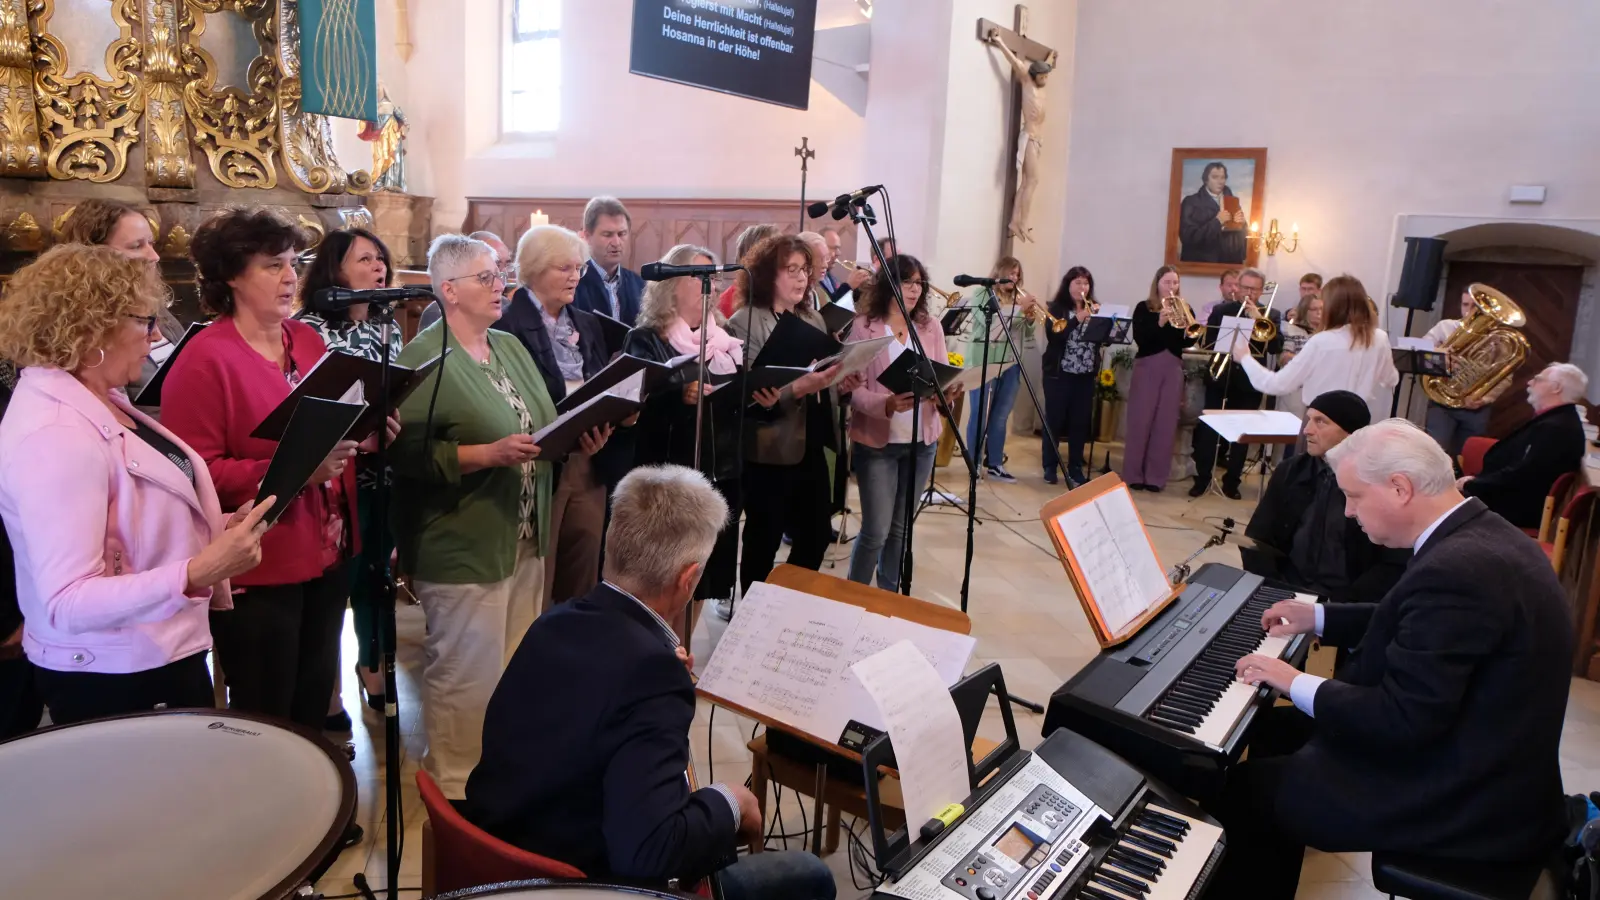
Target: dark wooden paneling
{"points": [[1549, 296], [657, 224]]}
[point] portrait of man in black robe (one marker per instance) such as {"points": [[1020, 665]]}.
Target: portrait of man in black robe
{"points": [[1211, 229]]}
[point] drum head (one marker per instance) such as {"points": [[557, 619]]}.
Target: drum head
{"points": [[560, 890], [189, 803]]}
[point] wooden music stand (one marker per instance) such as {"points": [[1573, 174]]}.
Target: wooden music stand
{"points": [[1072, 499], [785, 771]]}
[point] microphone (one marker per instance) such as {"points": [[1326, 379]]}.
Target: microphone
{"points": [[658, 271], [334, 299], [974, 281], [842, 203]]}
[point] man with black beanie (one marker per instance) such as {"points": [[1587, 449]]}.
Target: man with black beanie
{"points": [[1300, 526]]}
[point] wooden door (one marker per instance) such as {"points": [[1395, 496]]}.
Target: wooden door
{"points": [[1548, 294]]}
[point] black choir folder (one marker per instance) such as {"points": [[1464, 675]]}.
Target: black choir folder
{"points": [[336, 377], [902, 376], [561, 436], [615, 332], [150, 394], [314, 428], [619, 370], [836, 317]]}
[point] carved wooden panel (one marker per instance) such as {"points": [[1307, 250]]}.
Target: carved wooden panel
{"points": [[657, 224]]}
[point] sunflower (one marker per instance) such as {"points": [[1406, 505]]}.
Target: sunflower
{"points": [[957, 359], [1107, 378]]}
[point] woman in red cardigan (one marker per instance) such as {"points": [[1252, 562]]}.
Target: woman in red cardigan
{"points": [[279, 645]]}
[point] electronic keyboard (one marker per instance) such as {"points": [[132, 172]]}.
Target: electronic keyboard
{"points": [[1167, 699]]}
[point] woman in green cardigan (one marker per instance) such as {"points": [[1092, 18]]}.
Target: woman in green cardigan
{"points": [[471, 502]]}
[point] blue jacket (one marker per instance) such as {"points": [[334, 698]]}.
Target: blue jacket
{"points": [[592, 295], [585, 743]]}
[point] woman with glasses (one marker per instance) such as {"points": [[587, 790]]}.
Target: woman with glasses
{"points": [[786, 486], [568, 347], [357, 259], [892, 461], [121, 545], [472, 506], [279, 645]]}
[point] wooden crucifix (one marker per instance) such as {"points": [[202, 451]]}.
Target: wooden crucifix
{"points": [[1031, 64]]}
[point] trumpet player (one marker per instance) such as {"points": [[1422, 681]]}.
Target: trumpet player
{"points": [[1155, 394], [1232, 390], [987, 437], [1070, 365]]}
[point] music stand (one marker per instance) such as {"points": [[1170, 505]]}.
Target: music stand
{"points": [[1102, 331], [954, 320], [1415, 361]]}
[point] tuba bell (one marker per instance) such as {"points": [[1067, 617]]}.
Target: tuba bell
{"points": [[1486, 350]]}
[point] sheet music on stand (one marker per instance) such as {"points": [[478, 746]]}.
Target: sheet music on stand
{"points": [[787, 656], [1109, 557], [1253, 426]]}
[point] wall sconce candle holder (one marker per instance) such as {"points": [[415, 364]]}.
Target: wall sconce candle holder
{"points": [[1274, 238]]}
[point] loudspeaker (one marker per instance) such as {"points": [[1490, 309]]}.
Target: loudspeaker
{"points": [[1419, 279]]}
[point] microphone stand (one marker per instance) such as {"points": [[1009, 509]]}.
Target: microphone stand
{"points": [[926, 376], [699, 419]]}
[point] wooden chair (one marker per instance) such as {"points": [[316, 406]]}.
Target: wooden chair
{"points": [[1575, 507], [1472, 453], [833, 796], [1553, 500]]}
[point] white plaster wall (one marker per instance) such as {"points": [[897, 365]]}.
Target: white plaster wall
{"points": [[1370, 110]]}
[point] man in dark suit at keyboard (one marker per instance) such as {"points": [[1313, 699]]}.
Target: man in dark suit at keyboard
{"points": [[1440, 735], [586, 739]]}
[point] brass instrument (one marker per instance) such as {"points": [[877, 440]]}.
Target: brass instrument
{"points": [[1041, 317], [1179, 315], [951, 298], [1486, 350], [1262, 331]]}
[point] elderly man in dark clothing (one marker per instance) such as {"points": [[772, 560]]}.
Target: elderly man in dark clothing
{"points": [[1520, 470], [1300, 527]]}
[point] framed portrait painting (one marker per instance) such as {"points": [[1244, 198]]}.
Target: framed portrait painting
{"points": [[1216, 193]]}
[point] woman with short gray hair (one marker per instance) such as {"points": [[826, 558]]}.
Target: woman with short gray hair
{"points": [[471, 502]]}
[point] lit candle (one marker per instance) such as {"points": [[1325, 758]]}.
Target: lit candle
{"points": [[1295, 228], [538, 218], [1255, 227]]}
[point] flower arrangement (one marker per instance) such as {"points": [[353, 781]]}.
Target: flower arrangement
{"points": [[1106, 387], [956, 359]]}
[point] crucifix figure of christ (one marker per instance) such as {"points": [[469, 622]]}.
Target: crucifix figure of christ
{"points": [[1031, 64]]}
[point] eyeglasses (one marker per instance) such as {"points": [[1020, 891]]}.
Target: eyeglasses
{"points": [[797, 271], [149, 324], [487, 278]]}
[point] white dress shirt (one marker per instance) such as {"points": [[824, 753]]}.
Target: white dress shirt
{"points": [[1303, 689], [1329, 362]]}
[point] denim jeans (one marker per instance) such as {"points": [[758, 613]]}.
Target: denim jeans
{"points": [[1002, 396], [782, 875], [881, 479]]}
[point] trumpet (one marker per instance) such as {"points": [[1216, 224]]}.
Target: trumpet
{"points": [[1057, 324], [1179, 315]]}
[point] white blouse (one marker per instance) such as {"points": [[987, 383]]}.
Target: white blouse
{"points": [[1328, 362]]}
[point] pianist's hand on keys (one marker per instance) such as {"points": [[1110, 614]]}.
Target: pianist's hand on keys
{"points": [[1290, 617]]}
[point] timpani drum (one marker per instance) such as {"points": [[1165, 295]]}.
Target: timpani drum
{"points": [[560, 890], [170, 804]]}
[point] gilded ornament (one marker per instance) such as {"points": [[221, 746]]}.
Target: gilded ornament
{"points": [[357, 217], [177, 242], [19, 116], [60, 222], [168, 61], [311, 225], [88, 122], [23, 234], [237, 128]]}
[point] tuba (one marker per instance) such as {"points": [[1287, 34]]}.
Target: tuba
{"points": [[1179, 315], [1486, 350]]}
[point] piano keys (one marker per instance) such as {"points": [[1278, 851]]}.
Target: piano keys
{"points": [[1150, 844], [1167, 700]]}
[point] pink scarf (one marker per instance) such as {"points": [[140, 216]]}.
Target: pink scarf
{"points": [[722, 349]]}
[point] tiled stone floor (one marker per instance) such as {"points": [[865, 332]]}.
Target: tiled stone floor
{"points": [[1024, 616]]}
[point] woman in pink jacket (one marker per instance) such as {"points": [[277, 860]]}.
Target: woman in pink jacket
{"points": [[121, 547], [891, 460]]}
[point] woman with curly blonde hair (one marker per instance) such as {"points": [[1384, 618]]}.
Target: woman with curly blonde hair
{"points": [[121, 544]]}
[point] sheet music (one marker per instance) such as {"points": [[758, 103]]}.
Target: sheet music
{"points": [[1114, 311], [1413, 343], [787, 655], [630, 388], [1119, 566], [921, 720], [922, 882], [947, 651], [1230, 330], [1232, 426]]}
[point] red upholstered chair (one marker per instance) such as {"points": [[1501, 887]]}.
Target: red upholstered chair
{"points": [[1472, 454], [457, 854]]}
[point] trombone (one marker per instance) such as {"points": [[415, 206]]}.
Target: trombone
{"points": [[1261, 331], [1041, 316]]}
